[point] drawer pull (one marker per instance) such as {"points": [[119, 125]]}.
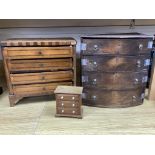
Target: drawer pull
{"points": [[62, 97], [94, 97], [62, 104], [73, 112], [138, 63], [44, 88], [140, 46], [73, 98], [95, 47], [41, 65], [43, 78], [136, 81], [94, 63], [134, 98], [62, 111], [73, 105], [40, 52]]}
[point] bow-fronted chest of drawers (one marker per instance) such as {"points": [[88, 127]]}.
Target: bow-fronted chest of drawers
{"points": [[115, 69]]}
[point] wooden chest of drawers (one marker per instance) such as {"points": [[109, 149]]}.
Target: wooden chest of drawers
{"points": [[69, 101], [36, 67], [115, 69]]}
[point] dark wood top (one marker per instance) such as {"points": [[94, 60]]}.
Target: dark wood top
{"points": [[119, 35], [68, 90], [39, 42]]}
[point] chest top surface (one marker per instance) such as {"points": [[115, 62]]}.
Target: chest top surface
{"points": [[38, 42], [68, 90]]}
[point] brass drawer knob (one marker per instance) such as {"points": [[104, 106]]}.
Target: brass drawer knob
{"points": [[62, 97], [62, 111], [73, 105], [62, 104], [73, 98], [73, 112]]}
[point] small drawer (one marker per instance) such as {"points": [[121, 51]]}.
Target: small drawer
{"points": [[67, 97], [68, 111], [67, 104]]}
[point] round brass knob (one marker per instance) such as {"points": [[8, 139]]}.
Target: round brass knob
{"points": [[62, 97], [73, 98], [62, 111], [62, 104], [73, 105], [73, 112]]}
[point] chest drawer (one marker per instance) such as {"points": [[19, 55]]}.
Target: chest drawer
{"points": [[40, 64], [39, 89], [28, 78], [68, 104], [38, 52], [68, 111], [116, 80], [113, 63], [117, 46], [69, 97], [113, 98]]}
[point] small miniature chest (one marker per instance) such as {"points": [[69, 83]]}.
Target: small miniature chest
{"points": [[69, 101]]}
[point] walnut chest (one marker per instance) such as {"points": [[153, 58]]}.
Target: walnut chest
{"points": [[68, 101], [115, 69], [35, 67]]}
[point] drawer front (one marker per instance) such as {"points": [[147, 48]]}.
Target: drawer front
{"points": [[37, 89], [117, 46], [67, 104], [39, 65], [68, 111], [69, 97], [113, 63], [38, 52], [121, 80], [107, 98], [42, 77]]}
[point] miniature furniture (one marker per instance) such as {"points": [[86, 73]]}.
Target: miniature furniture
{"points": [[115, 69], [68, 101], [35, 67]]}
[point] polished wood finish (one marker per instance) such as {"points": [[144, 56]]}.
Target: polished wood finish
{"points": [[68, 101], [35, 67], [115, 69]]}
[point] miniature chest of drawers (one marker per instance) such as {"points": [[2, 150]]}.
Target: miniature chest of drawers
{"points": [[115, 69], [68, 101], [35, 67]]}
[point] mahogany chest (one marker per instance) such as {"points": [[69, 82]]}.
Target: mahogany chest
{"points": [[69, 101], [35, 67], [115, 69]]}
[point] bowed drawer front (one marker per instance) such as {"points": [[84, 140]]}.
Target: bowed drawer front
{"points": [[115, 69], [37, 67], [117, 46]]}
